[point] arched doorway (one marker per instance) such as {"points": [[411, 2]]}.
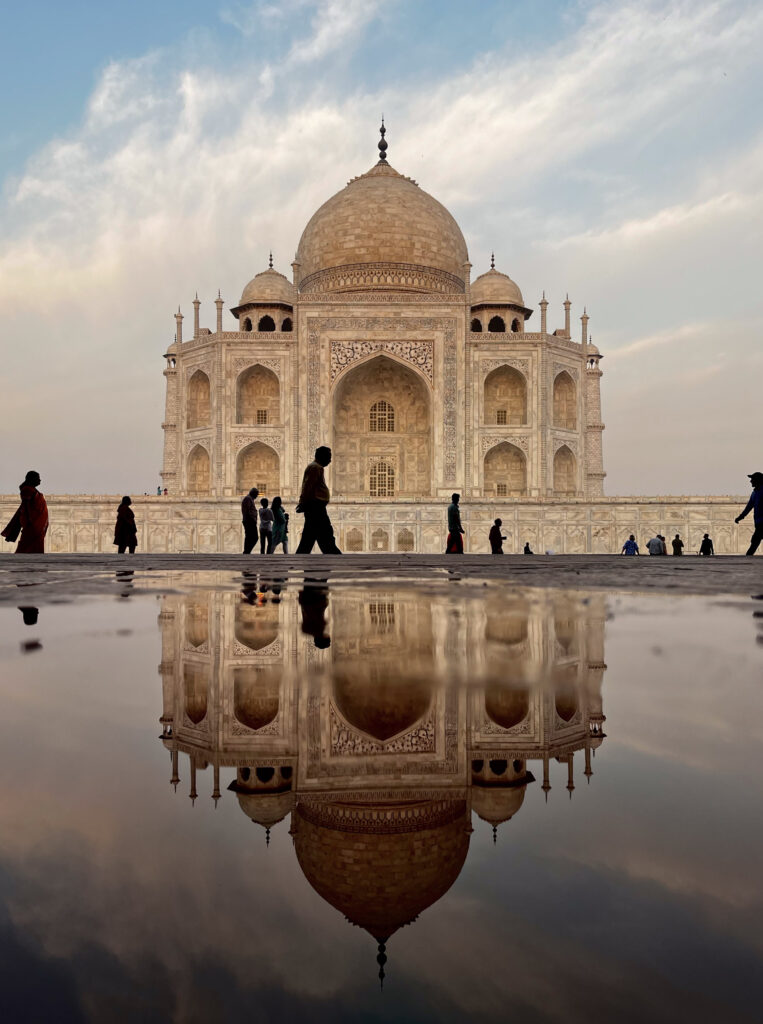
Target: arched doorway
{"points": [[565, 471], [565, 402], [198, 471], [258, 466], [382, 416], [198, 413], [505, 472], [258, 398], [505, 396]]}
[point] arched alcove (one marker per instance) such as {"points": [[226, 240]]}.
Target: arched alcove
{"points": [[565, 471], [287, 324], [505, 396], [378, 701], [267, 323], [505, 472], [258, 465], [247, 324], [256, 694], [405, 540], [380, 540], [516, 325], [258, 396], [407, 447], [354, 541], [198, 472], [196, 623], [198, 409], [256, 626], [196, 684], [565, 401], [507, 706], [497, 325], [476, 326]]}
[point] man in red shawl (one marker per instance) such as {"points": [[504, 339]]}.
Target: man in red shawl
{"points": [[30, 519]]}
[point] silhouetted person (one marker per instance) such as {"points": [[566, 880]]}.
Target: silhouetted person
{"points": [[280, 526], [249, 520], [664, 543], [455, 542], [266, 527], [655, 546], [125, 530], [30, 519], [527, 550], [158, 492], [678, 545], [630, 547], [496, 538], [313, 503], [313, 602], [29, 614], [754, 505], [706, 547]]}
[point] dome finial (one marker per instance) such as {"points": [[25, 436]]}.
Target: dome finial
{"points": [[382, 143], [267, 837], [495, 834], [492, 261], [270, 261], [381, 960]]}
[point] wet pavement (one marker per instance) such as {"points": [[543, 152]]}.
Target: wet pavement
{"points": [[310, 792]]}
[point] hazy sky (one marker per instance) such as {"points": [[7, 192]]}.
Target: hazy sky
{"points": [[612, 150]]}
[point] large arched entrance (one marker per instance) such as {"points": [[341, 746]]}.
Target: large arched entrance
{"points": [[382, 432], [258, 466]]}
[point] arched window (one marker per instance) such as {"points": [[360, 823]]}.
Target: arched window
{"points": [[505, 471], [258, 466], [267, 323], [497, 325], [405, 540], [476, 326], [565, 471], [197, 405], [380, 540], [505, 396], [354, 541], [258, 396], [565, 402], [382, 480], [381, 419], [247, 324], [287, 324], [515, 325]]}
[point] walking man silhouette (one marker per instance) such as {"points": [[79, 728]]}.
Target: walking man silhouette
{"points": [[30, 519], [754, 505], [313, 502], [455, 542]]}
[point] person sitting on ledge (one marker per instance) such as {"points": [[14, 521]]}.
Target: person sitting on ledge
{"points": [[527, 549], [30, 519], [706, 548]]}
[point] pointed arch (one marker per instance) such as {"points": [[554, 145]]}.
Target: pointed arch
{"points": [[247, 324], [258, 396], [505, 393], [506, 705], [565, 401], [198, 471], [254, 626], [196, 684], [198, 408], [287, 324], [497, 325], [267, 323], [476, 325], [258, 465], [256, 695], [505, 471], [381, 480], [516, 325], [565, 471]]}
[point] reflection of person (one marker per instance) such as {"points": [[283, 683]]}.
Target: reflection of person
{"points": [[754, 505], [30, 518], [678, 545], [266, 527], [630, 547], [496, 538], [125, 531], [249, 519], [706, 547], [455, 542], [313, 502], [29, 614], [313, 602], [280, 526]]}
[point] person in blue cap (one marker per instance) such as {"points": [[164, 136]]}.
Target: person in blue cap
{"points": [[754, 505]]}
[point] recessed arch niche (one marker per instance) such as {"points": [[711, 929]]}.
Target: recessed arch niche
{"points": [[565, 401], [258, 396], [196, 684], [198, 471], [380, 701], [505, 396], [256, 626], [408, 447], [505, 471], [565, 471], [198, 409], [507, 706], [256, 695], [258, 465]]}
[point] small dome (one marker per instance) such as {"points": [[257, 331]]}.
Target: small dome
{"points": [[384, 232], [496, 289], [496, 804], [268, 288], [593, 350], [266, 809]]}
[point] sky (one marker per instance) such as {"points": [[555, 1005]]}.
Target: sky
{"points": [[610, 150]]}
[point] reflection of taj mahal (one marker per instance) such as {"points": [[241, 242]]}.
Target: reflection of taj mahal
{"points": [[380, 745], [381, 346]]}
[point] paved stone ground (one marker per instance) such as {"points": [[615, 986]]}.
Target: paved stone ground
{"points": [[44, 578]]}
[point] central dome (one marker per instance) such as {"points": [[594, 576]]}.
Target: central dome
{"points": [[382, 232]]}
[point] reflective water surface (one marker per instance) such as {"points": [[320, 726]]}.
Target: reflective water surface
{"points": [[238, 799]]}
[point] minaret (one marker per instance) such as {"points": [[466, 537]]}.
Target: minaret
{"points": [[584, 330], [570, 777], [219, 304], [567, 305], [543, 319], [594, 449], [546, 787], [196, 304], [179, 328], [169, 426]]}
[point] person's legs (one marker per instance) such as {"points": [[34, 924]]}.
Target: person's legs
{"points": [[270, 542], [325, 532], [307, 540], [132, 549], [121, 549], [285, 543], [250, 539], [263, 541], [755, 540]]}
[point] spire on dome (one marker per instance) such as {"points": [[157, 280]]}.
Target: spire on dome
{"points": [[381, 960], [492, 261], [270, 261], [382, 143]]}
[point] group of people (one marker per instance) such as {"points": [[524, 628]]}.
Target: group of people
{"points": [[270, 522]]}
